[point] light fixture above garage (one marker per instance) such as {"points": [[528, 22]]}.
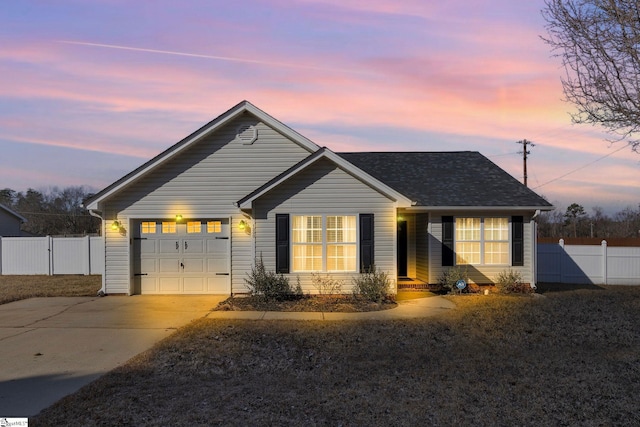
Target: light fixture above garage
{"points": [[242, 225], [115, 225], [178, 218]]}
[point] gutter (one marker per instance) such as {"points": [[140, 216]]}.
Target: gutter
{"points": [[102, 291]]}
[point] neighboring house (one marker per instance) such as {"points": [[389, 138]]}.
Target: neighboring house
{"points": [[196, 217], [10, 222]]}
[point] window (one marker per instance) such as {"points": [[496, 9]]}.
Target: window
{"points": [[341, 243], [194, 227], [324, 243], [482, 240], [214, 226], [307, 243], [148, 227], [168, 227]]}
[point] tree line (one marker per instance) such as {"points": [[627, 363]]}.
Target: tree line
{"points": [[52, 212], [576, 222]]}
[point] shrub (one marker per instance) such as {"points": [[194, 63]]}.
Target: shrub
{"points": [[269, 285], [372, 285], [509, 281], [326, 285], [449, 277]]}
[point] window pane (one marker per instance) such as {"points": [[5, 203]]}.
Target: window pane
{"points": [[148, 228], [496, 253], [341, 229], [194, 227], [467, 253], [467, 228], [307, 257], [307, 229], [214, 226], [341, 257], [496, 229], [169, 227]]}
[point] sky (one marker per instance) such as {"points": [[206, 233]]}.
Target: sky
{"points": [[89, 90]]}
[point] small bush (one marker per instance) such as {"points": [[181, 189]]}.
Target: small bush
{"points": [[372, 285], [449, 277], [326, 285], [509, 281], [269, 285]]}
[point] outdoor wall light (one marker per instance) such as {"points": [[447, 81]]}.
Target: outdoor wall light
{"points": [[178, 218], [242, 225], [115, 225]]}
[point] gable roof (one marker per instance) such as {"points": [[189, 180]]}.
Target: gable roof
{"points": [[13, 213], [325, 153], [226, 117], [448, 179]]}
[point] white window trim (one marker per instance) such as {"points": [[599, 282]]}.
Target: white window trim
{"points": [[482, 240]]}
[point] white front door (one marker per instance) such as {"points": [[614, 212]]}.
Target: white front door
{"points": [[187, 257]]}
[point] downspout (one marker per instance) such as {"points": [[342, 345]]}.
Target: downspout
{"points": [[102, 291], [534, 252]]}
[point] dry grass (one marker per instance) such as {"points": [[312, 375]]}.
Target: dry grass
{"points": [[569, 358], [14, 288]]}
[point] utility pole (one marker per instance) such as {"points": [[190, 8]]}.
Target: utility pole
{"points": [[524, 152]]}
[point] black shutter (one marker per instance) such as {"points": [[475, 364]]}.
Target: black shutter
{"points": [[447, 240], [366, 243], [282, 243], [517, 241]]}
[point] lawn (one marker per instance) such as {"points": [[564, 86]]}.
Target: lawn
{"points": [[566, 358], [14, 288]]}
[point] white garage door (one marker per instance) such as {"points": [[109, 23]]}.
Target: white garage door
{"points": [[186, 257]]}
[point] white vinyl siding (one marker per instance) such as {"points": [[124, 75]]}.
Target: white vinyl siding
{"points": [[325, 190], [202, 182]]}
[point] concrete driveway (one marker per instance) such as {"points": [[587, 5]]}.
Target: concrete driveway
{"points": [[50, 347]]}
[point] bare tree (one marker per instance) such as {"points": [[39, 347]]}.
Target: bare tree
{"points": [[599, 43]]}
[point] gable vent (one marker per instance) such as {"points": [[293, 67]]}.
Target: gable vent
{"points": [[247, 134]]}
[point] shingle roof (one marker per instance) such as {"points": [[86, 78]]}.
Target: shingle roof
{"points": [[464, 178]]}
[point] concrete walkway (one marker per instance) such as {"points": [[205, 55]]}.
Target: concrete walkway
{"points": [[407, 309], [50, 347]]}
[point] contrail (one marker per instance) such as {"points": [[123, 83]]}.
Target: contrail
{"points": [[218, 58]]}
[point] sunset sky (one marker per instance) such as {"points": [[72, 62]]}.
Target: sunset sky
{"points": [[89, 90]]}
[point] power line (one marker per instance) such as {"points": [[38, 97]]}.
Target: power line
{"points": [[582, 167]]}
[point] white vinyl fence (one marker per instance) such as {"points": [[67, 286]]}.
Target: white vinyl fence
{"points": [[51, 255], [588, 264]]}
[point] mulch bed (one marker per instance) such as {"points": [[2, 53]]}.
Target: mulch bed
{"points": [[323, 303]]}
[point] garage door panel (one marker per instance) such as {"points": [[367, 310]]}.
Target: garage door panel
{"points": [[148, 247], [218, 285], [169, 266], [193, 265], [148, 285], [217, 265], [169, 246], [149, 265], [194, 285], [193, 246], [169, 285], [217, 246]]}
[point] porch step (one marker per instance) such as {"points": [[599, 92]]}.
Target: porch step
{"points": [[410, 284]]}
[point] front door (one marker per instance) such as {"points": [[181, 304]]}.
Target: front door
{"points": [[402, 248]]}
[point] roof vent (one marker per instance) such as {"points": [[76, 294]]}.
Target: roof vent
{"points": [[247, 134]]}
